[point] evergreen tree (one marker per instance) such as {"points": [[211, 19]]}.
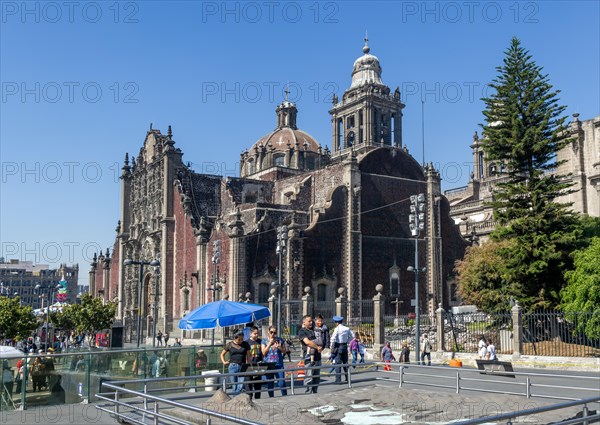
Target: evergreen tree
{"points": [[524, 130]]}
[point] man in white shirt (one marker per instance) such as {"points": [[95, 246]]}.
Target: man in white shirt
{"points": [[341, 337]]}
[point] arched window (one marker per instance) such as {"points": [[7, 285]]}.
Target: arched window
{"points": [[263, 292], [279, 160], [321, 292]]}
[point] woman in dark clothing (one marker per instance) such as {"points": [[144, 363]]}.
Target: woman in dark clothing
{"points": [[239, 353], [256, 356]]}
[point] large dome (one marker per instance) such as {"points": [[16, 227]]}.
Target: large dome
{"points": [[283, 138]]}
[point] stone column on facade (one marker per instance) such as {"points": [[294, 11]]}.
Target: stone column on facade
{"points": [[307, 302], [334, 132], [435, 292], [439, 315], [106, 276], [294, 261], [352, 237], [378, 316], [92, 283], [341, 304], [272, 306], [123, 232], [237, 256], [202, 279]]}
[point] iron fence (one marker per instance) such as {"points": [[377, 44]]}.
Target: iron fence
{"points": [[463, 331], [402, 328], [557, 333], [361, 319]]}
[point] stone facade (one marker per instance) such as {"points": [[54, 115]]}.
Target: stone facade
{"points": [[347, 213], [582, 162]]}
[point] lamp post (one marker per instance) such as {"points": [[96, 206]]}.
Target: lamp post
{"points": [[417, 224], [50, 289], [282, 237], [153, 263], [215, 288]]}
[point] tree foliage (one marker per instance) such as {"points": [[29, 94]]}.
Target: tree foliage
{"points": [[16, 321], [481, 277], [524, 130], [91, 316], [582, 293]]}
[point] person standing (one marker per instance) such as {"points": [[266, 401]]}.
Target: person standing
{"points": [[387, 355], [166, 336], [404, 353], [354, 346], [340, 338], [273, 349], [491, 351], [239, 353], [426, 350], [159, 336], [307, 338], [482, 348], [256, 356]]}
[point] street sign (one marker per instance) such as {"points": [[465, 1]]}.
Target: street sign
{"points": [[412, 316], [413, 302]]}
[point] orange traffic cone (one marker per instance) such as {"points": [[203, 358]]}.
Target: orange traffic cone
{"points": [[301, 372]]}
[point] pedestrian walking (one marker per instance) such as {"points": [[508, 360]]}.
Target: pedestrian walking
{"points": [[355, 348], [159, 336], [387, 355], [404, 354], [426, 350], [340, 338]]}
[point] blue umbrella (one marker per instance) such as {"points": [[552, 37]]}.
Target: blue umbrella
{"points": [[223, 313]]}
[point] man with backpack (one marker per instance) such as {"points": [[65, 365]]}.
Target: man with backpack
{"points": [[426, 350]]}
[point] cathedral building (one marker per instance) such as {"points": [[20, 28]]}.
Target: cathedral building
{"points": [[346, 212], [470, 207]]}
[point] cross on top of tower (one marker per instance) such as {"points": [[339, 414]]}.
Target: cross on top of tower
{"points": [[366, 49]]}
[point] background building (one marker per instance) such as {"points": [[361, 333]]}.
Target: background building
{"points": [[346, 210], [21, 277], [582, 156]]}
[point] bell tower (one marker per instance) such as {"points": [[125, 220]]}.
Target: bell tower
{"points": [[368, 114]]}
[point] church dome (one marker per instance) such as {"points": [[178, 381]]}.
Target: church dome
{"points": [[282, 138], [367, 69]]}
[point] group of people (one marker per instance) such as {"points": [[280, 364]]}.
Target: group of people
{"points": [[255, 351], [425, 346], [268, 353], [486, 350], [159, 338]]}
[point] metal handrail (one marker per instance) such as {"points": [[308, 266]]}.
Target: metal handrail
{"points": [[119, 388], [157, 400], [514, 415]]}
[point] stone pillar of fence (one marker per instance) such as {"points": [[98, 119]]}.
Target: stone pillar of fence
{"points": [[378, 321], [341, 303], [307, 302], [273, 306], [517, 320], [439, 314]]}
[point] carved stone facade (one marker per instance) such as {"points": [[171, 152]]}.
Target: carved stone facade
{"points": [[347, 213], [582, 156]]}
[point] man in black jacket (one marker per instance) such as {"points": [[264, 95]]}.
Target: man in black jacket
{"points": [[306, 335]]}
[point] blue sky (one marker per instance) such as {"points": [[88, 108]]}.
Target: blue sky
{"points": [[82, 81]]}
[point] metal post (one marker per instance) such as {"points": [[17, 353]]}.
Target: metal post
{"points": [[139, 313], [457, 382], [528, 387], [417, 312], [401, 376], [417, 224]]}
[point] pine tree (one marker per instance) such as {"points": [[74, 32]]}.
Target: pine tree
{"points": [[524, 130]]}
